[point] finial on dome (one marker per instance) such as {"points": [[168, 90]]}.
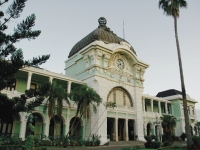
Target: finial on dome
{"points": [[102, 21]]}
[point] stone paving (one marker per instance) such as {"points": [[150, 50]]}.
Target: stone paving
{"points": [[115, 146]]}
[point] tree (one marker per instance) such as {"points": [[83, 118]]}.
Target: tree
{"points": [[168, 123], [171, 8], [8, 107], [83, 97], [55, 94], [8, 67]]}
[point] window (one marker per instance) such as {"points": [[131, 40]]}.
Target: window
{"points": [[11, 86], [193, 110], [188, 108], [168, 109], [33, 87]]}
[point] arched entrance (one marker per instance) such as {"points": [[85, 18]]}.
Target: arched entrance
{"points": [[37, 121], [76, 128], [56, 126], [149, 131]]}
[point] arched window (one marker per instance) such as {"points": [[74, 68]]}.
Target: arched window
{"points": [[120, 96]]}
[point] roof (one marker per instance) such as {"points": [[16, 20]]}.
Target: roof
{"points": [[170, 92], [102, 33]]}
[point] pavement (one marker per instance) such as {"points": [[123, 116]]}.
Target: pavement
{"points": [[115, 146]]}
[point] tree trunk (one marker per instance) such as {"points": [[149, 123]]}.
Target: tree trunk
{"points": [[187, 125]]}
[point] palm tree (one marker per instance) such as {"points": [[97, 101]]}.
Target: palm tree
{"points": [[171, 8], [168, 123], [55, 94], [84, 96]]}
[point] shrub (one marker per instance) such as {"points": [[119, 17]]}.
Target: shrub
{"points": [[10, 147], [155, 144], [166, 143], [196, 141], [183, 136], [15, 140]]}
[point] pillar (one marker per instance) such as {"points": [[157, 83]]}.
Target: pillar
{"points": [[159, 107], [22, 129], [151, 105], [126, 129], [64, 130], [116, 129], [29, 80], [69, 87], [166, 111], [143, 102], [50, 79]]}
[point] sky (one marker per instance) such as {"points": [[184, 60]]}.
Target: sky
{"points": [[150, 32]]}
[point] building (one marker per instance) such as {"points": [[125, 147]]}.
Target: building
{"points": [[108, 64]]}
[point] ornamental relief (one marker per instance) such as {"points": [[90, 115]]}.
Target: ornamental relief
{"points": [[119, 64]]}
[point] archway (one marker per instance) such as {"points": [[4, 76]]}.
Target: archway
{"points": [[120, 96], [56, 126], [76, 128], [149, 131], [37, 121]]}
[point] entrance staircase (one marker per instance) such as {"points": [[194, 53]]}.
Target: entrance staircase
{"points": [[126, 143]]}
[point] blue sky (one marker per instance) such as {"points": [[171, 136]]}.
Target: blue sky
{"points": [[147, 29]]}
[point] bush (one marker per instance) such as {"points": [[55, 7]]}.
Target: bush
{"points": [[183, 136], [166, 143], [10, 147], [196, 141], [155, 144], [131, 148], [15, 140]]}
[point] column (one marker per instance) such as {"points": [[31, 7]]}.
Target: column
{"points": [[43, 130], [151, 105], [69, 87], [29, 80], [143, 102], [23, 122], [116, 129], [166, 111], [159, 107], [67, 121], [50, 79], [126, 129], [46, 125]]}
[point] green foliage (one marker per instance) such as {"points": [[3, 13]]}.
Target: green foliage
{"points": [[9, 66], [10, 147], [131, 148], [8, 107], [171, 8], [156, 144], [150, 143], [168, 123], [196, 141], [29, 142], [15, 140], [183, 136]]}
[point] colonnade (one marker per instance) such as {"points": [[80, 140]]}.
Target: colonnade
{"points": [[167, 103]]}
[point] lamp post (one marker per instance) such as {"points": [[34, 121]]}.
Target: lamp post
{"points": [[158, 129]]}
